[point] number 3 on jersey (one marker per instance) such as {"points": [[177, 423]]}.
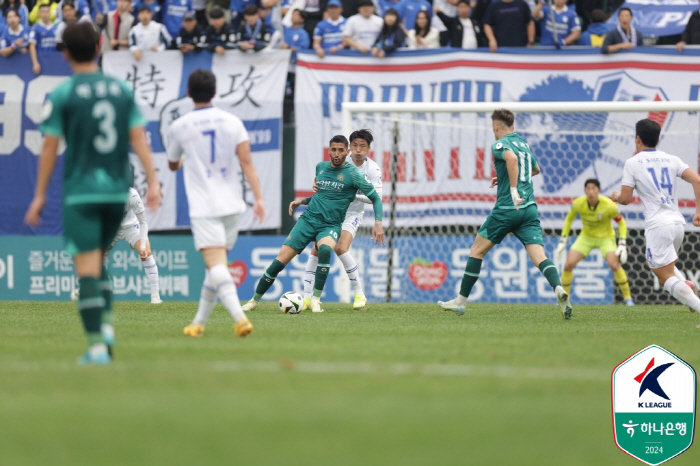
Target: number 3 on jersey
{"points": [[105, 142]]}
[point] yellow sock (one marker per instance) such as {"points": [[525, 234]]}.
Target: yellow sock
{"points": [[621, 280], [567, 278]]}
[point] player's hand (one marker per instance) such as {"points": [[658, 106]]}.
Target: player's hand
{"points": [[153, 195], [621, 251], [696, 219], [137, 55], [33, 215], [517, 200], [615, 196], [259, 210], [493, 46], [378, 233], [36, 68], [321, 53], [219, 50], [294, 204], [494, 182], [362, 49], [561, 247]]}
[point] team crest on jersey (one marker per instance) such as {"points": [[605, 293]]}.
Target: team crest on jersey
{"points": [[499, 145], [341, 177]]}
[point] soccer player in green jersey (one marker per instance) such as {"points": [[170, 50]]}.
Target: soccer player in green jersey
{"points": [[337, 184], [515, 212], [98, 118]]}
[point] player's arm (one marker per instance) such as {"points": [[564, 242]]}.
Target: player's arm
{"points": [[47, 163], [693, 178], [565, 230], [512, 166], [137, 136], [624, 196], [368, 189], [243, 151], [377, 183]]}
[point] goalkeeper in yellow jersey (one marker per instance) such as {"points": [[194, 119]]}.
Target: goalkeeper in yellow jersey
{"points": [[596, 213]]}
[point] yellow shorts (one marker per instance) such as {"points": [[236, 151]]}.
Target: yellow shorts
{"points": [[585, 245]]}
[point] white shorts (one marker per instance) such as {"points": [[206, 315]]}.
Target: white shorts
{"points": [[215, 232], [131, 234], [352, 222], [663, 244]]}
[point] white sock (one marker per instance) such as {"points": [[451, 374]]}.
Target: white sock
{"points": [[151, 269], [207, 301], [353, 272], [679, 275], [682, 292], [310, 275], [226, 291], [461, 300]]}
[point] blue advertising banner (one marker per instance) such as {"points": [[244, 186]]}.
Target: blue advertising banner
{"points": [[659, 17]]}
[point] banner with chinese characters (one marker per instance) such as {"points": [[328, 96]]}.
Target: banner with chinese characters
{"points": [[444, 164]]}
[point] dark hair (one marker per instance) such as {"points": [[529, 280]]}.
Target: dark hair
{"points": [[69, 3], [503, 115], [624, 9], [144, 8], [385, 27], [466, 2], [339, 139], [47, 5], [364, 134], [250, 10], [598, 16], [216, 13], [81, 40], [201, 86], [13, 10], [423, 32], [302, 13], [592, 181], [648, 131]]}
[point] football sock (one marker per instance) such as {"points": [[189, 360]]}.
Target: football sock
{"points": [[105, 286], [567, 278], [268, 279], [151, 268], [678, 289], [621, 280], [91, 304], [471, 275], [226, 291], [324, 265], [679, 275], [310, 275], [353, 271], [207, 301], [549, 271]]}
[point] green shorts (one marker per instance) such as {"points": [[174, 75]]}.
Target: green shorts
{"points": [[304, 232], [523, 223], [87, 227], [585, 245]]}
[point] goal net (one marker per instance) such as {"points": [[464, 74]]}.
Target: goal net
{"points": [[437, 168]]}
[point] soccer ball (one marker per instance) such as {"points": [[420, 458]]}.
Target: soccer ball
{"points": [[75, 294], [291, 302]]}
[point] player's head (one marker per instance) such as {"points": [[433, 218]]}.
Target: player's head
{"points": [[82, 42], [250, 14], [338, 150], [123, 6], [360, 142], [201, 86], [217, 17], [463, 8], [366, 8], [145, 15], [12, 18], [592, 188], [334, 9], [68, 10], [624, 17], [502, 122], [648, 132], [45, 13]]}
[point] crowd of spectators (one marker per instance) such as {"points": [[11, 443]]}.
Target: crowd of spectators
{"points": [[376, 27]]}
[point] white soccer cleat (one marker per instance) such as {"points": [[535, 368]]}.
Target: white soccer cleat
{"points": [[360, 302], [452, 305], [316, 305], [155, 299], [564, 303], [250, 305]]}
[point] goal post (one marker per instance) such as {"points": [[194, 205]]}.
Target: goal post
{"points": [[437, 168]]}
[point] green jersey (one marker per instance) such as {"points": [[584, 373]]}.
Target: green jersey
{"points": [[526, 162], [94, 113], [336, 189]]}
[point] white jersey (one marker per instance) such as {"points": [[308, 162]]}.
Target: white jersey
{"points": [[134, 206], [374, 175], [653, 174], [363, 30], [207, 138]]}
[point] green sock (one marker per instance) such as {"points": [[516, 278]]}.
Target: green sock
{"points": [[324, 265], [471, 275], [106, 289], [268, 279], [91, 304], [550, 273]]}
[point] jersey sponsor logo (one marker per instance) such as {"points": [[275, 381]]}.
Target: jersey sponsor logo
{"points": [[499, 145]]}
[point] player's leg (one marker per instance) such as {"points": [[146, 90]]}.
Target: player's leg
{"points": [[111, 231], [578, 251], [150, 267], [325, 243], [608, 248], [310, 276], [342, 250]]}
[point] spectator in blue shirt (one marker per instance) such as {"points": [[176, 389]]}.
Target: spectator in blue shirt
{"points": [[328, 35], [595, 33], [102, 7], [173, 13], [237, 7], [15, 37], [408, 9], [391, 36], [82, 8], [21, 10], [561, 19], [295, 37], [385, 5], [42, 36]]}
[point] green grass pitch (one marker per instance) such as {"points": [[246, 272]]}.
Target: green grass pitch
{"points": [[394, 385]]}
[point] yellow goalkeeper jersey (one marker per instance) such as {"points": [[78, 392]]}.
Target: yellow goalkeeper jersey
{"points": [[596, 220]]}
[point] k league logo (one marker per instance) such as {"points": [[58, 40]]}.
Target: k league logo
{"points": [[653, 403]]}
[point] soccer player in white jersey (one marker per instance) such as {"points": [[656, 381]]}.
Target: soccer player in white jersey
{"points": [[211, 144], [134, 230], [360, 142], [653, 174]]}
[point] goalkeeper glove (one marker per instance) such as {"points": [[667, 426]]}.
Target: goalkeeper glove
{"points": [[561, 247], [517, 200], [621, 251]]}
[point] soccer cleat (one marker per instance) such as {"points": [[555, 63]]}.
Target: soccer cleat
{"points": [[306, 305], [452, 305], [360, 302], [155, 299], [96, 354], [243, 328], [695, 290], [564, 303], [316, 305], [629, 302], [194, 330], [250, 305], [108, 337]]}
